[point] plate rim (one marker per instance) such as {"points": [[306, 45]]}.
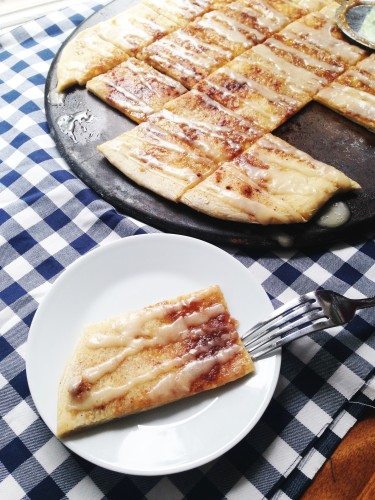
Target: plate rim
{"points": [[66, 276]]}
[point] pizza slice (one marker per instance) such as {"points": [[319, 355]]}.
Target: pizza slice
{"points": [[353, 94], [135, 88], [206, 126], [260, 89], [157, 160], [86, 56], [136, 28], [317, 37], [150, 357], [270, 183], [185, 57]]}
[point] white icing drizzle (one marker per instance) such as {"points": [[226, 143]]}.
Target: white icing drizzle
{"points": [[130, 101], [162, 336], [185, 174], [356, 75], [229, 28], [307, 59], [349, 100], [323, 38], [105, 395], [265, 15], [178, 385], [166, 62], [207, 129], [184, 53], [269, 94], [154, 75], [368, 64], [259, 212], [198, 44], [306, 80], [186, 9], [175, 56]]}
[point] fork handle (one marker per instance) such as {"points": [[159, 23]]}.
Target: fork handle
{"points": [[363, 303]]}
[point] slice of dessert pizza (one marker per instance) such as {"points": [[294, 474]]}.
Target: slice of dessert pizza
{"points": [[265, 90], [157, 160], [271, 183], [206, 126], [353, 94], [147, 358], [185, 57], [135, 88]]}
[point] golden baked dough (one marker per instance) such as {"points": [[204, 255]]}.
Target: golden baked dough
{"points": [[182, 11], [147, 358], [206, 126], [244, 23], [97, 49], [259, 88], [157, 160], [86, 56], [353, 94], [271, 183], [185, 57], [136, 28], [135, 88]]}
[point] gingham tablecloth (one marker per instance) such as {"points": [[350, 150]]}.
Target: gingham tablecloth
{"points": [[49, 218]]}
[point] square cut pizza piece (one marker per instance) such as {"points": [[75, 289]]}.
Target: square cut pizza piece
{"points": [[316, 41], [86, 56], [185, 57], [242, 24], [271, 183], [135, 88], [353, 94], [206, 126], [260, 88], [136, 28], [157, 160], [150, 357]]}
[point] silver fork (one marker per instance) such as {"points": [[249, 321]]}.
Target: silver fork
{"points": [[309, 313]]}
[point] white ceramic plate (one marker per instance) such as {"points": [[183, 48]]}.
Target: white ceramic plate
{"points": [[129, 274]]}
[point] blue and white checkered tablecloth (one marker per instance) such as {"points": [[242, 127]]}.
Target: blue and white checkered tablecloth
{"points": [[49, 218]]}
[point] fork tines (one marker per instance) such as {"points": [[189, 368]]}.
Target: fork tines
{"points": [[293, 315]]}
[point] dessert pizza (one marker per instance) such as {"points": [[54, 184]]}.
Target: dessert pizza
{"points": [[151, 357], [248, 66], [157, 160], [135, 88]]}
